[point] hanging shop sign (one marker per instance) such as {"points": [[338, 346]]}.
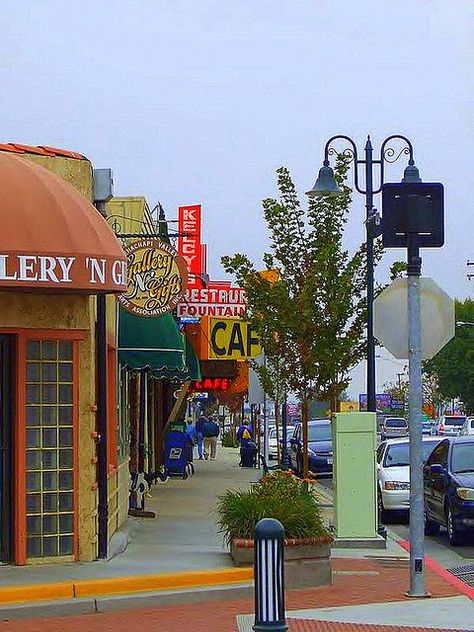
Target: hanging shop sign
{"points": [[224, 302], [156, 278], [232, 338], [189, 240]]}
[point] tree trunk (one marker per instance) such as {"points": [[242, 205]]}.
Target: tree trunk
{"points": [[304, 425], [277, 427]]}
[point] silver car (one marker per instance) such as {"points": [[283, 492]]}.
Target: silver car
{"points": [[393, 427]]}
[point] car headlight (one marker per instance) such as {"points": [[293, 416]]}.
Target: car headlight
{"points": [[311, 452], [396, 485], [466, 493]]}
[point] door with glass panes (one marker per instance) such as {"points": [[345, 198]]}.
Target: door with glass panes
{"points": [[50, 415]]}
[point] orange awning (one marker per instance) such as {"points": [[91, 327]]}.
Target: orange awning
{"points": [[51, 236]]}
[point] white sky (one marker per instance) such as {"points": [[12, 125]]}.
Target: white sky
{"points": [[200, 102]]}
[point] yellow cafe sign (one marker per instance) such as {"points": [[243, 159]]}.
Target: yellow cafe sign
{"points": [[156, 278], [232, 339]]}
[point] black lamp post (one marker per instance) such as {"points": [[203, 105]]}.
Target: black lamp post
{"points": [[327, 185]]}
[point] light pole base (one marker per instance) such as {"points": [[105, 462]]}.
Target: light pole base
{"points": [[425, 595]]}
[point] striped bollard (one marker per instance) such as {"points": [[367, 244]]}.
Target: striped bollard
{"points": [[269, 576]]}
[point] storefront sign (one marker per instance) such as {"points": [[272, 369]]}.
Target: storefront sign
{"points": [[189, 241], [156, 278], [224, 302], [230, 338], [211, 384], [73, 272]]}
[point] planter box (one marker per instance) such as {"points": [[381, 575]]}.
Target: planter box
{"points": [[307, 561]]}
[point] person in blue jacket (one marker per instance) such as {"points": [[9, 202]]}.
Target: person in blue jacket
{"points": [[199, 434], [245, 433]]}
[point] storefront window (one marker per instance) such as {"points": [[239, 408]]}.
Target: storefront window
{"points": [[49, 449]]}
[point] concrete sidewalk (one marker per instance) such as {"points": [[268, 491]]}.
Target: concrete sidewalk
{"points": [[182, 537]]}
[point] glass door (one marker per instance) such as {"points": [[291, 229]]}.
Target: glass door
{"points": [[7, 397]]}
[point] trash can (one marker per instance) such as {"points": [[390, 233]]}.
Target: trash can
{"points": [[248, 455]]}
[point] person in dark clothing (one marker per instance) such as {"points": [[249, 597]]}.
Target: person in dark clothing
{"points": [[199, 434]]}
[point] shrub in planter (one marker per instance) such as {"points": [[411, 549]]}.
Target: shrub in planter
{"points": [[286, 498], [229, 440]]}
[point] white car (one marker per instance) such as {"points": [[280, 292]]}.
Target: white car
{"points": [[273, 442], [393, 472], [468, 427]]}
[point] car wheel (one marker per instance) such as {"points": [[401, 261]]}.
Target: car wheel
{"points": [[454, 535], [431, 527]]}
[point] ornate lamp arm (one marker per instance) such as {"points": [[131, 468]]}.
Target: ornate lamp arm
{"points": [[352, 152], [387, 155]]}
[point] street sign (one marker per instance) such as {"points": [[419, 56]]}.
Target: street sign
{"points": [[391, 318]]}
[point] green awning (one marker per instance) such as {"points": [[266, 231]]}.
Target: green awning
{"points": [[152, 343], [192, 362]]}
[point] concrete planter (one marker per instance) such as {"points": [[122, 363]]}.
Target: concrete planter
{"points": [[307, 561]]}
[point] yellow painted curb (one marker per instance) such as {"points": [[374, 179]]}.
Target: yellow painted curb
{"points": [[36, 592], [165, 581], [127, 585]]}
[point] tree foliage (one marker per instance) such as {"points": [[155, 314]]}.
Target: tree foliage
{"points": [[453, 366], [312, 314]]}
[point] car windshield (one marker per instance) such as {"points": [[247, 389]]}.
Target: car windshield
{"points": [[398, 454], [396, 423], [463, 458], [454, 421], [320, 433]]}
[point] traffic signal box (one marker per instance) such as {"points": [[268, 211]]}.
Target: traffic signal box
{"points": [[354, 479]]}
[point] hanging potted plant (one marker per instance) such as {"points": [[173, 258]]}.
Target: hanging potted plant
{"points": [[282, 496]]}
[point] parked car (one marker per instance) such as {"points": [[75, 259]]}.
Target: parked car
{"points": [[393, 473], [427, 426], [448, 479], [448, 425], [468, 427], [273, 442], [393, 427], [320, 455]]}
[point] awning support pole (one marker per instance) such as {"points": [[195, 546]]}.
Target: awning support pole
{"points": [[102, 469]]}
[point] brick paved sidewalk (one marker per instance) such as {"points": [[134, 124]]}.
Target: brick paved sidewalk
{"points": [[356, 581]]}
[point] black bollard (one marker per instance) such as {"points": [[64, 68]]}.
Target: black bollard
{"points": [[269, 575]]}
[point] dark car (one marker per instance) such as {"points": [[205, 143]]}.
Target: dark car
{"points": [[449, 489], [319, 447]]}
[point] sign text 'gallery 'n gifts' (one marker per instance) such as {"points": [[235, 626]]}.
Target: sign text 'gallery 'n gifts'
{"points": [[156, 278]]}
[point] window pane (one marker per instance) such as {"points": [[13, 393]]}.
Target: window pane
{"points": [[65, 437], [49, 372], [66, 501], [50, 524], [50, 437], [50, 503], [50, 481], [50, 459], [66, 545], [66, 459], [32, 438], [33, 481], [49, 350], [32, 394], [65, 350], [50, 546], [33, 525], [65, 416], [32, 372], [33, 503], [50, 394], [33, 547], [66, 523], [33, 415], [65, 480], [33, 350], [49, 415], [33, 460], [65, 372], [65, 394]]}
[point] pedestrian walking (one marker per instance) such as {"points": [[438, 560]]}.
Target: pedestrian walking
{"points": [[210, 434], [199, 435], [248, 449]]}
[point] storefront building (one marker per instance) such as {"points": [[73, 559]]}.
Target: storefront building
{"points": [[56, 254]]}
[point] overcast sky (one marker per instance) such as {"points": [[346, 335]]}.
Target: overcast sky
{"points": [[200, 101]]}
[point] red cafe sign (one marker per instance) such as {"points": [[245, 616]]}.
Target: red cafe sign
{"points": [[74, 272], [211, 384]]}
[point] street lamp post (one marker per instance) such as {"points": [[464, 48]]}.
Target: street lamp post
{"points": [[327, 185]]}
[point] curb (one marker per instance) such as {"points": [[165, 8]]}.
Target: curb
{"points": [[132, 584], [443, 573]]}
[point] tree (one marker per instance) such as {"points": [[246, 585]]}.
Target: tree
{"points": [[312, 315], [453, 366], [432, 398]]}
